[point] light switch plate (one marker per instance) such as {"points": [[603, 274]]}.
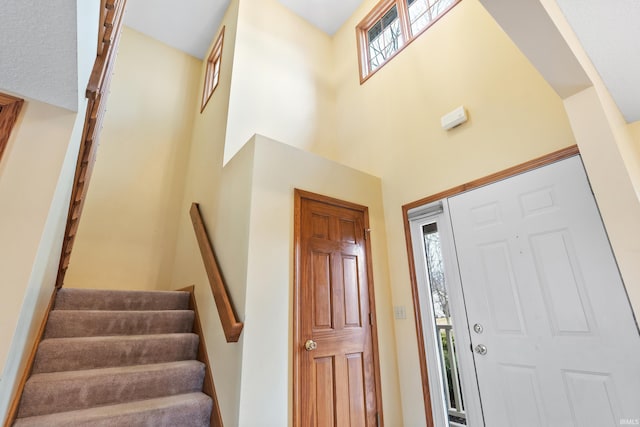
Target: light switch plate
{"points": [[399, 312]]}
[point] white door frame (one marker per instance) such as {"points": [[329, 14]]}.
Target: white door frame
{"points": [[438, 212]]}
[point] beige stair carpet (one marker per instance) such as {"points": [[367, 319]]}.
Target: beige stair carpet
{"points": [[117, 358]]}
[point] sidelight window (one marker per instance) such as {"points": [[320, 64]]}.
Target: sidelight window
{"points": [[446, 343]]}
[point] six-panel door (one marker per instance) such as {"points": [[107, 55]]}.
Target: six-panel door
{"points": [[538, 274], [337, 377]]}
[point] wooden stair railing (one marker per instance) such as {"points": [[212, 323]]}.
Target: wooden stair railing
{"points": [[230, 324], [9, 110], [97, 90], [111, 14]]}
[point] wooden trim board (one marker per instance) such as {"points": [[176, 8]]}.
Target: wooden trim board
{"points": [[10, 107], [26, 373], [208, 386]]}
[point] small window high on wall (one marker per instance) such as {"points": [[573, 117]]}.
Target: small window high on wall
{"points": [[212, 76], [392, 25]]}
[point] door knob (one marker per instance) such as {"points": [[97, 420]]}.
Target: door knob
{"points": [[310, 345], [481, 349], [477, 328]]}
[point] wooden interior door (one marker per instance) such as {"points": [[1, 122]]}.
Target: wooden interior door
{"points": [[334, 368]]}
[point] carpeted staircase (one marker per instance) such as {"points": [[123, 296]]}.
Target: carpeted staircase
{"points": [[117, 358]]}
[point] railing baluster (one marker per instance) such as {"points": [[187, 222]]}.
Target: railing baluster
{"points": [[96, 94], [455, 406], [454, 372], [439, 329]]}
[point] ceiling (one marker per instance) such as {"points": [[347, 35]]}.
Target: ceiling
{"points": [[191, 29], [327, 15], [187, 28]]}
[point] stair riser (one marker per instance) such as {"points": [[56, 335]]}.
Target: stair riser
{"points": [[71, 354], [88, 299], [106, 388], [191, 410], [71, 323]]}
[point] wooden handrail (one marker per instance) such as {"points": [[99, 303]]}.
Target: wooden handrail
{"points": [[230, 324], [109, 31], [9, 110]]}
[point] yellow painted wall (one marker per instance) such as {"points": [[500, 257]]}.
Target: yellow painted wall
{"points": [[281, 84], [634, 129], [126, 238], [617, 200], [390, 127], [292, 83], [28, 176], [203, 181], [267, 354], [27, 294]]}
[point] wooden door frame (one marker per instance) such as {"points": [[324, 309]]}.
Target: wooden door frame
{"points": [[298, 340], [10, 107], [489, 179]]}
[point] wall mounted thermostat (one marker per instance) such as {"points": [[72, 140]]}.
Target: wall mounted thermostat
{"points": [[454, 118]]}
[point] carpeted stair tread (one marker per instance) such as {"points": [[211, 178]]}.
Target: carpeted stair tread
{"points": [[92, 299], [90, 323], [185, 410], [72, 354], [73, 390]]}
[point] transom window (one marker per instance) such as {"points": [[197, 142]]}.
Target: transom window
{"points": [[384, 38], [392, 25], [212, 74]]}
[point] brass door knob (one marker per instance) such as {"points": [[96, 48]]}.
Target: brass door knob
{"points": [[310, 345]]}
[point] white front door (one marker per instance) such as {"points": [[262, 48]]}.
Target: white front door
{"points": [[541, 284]]}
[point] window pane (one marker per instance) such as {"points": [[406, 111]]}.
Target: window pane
{"points": [[384, 38], [452, 390], [423, 12], [214, 83]]}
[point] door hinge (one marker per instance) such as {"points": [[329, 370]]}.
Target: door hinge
{"points": [[366, 233], [377, 419], [370, 319]]}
